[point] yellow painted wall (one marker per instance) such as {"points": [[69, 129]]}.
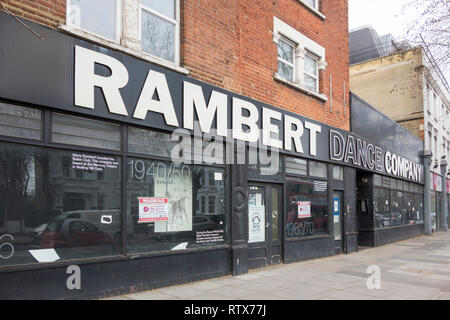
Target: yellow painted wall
{"points": [[391, 84]]}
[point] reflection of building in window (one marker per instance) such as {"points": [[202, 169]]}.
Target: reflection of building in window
{"points": [[299, 58], [76, 189], [210, 194], [66, 164]]}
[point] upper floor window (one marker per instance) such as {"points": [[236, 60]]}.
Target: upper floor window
{"points": [[435, 110], [286, 65], [299, 59], [100, 17], [159, 28], [311, 72], [286, 59], [312, 3], [428, 99], [313, 6], [148, 29]]}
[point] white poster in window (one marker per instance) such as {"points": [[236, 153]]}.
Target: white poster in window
{"points": [[304, 209], [256, 224], [258, 199], [218, 176], [153, 209], [320, 186], [174, 182]]}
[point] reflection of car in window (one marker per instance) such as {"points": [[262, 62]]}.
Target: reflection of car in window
{"points": [[113, 228], [73, 233]]}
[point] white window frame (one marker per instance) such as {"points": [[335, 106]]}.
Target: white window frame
{"points": [[291, 64], [175, 21], [435, 107], [315, 6], [282, 30], [314, 9], [315, 58], [428, 98], [118, 23]]}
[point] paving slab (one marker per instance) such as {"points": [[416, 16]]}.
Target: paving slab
{"points": [[415, 269]]}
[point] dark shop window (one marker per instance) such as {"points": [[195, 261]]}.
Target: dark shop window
{"points": [[317, 169], [174, 207], [20, 122], [400, 204], [48, 213], [150, 142], [381, 208], [85, 132], [307, 208], [296, 166]]}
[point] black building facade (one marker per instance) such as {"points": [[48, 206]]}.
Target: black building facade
{"points": [[134, 177]]}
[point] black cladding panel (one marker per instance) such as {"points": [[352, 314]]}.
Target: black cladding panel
{"points": [[367, 122]]}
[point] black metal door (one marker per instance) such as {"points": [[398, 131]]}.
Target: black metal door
{"points": [[338, 221], [265, 215]]}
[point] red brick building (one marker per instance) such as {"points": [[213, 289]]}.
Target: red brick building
{"points": [[91, 93], [230, 44]]}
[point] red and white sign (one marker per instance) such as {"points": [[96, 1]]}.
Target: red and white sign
{"points": [[304, 209], [435, 181], [153, 209], [448, 186]]}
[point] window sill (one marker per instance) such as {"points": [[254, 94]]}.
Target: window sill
{"points": [[114, 45], [299, 87], [314, 10]]}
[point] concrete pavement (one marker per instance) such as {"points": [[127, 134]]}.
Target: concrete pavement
{"points": [[416, 269]]}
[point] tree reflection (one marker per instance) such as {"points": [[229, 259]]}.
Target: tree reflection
{"points": [[21, 170], [158, 37]]}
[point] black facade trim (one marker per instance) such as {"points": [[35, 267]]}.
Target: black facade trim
{"points": [[379, 237], [121, 257], [325, 236]]}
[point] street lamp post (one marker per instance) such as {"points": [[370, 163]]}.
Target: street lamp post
{"points": [[444, 204], [426, 192]]}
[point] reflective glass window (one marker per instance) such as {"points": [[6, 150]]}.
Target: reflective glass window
{"points": [[174, 207], [306, 208], [100, 17], [55, 208]]}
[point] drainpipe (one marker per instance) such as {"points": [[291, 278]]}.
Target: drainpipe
{"points": [[444, 204], [426, 192]]}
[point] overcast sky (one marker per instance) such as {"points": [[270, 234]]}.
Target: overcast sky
{"points": [[384, 15]]}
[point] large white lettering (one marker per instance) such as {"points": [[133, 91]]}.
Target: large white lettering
{"points": [[193, 97], [86, 80], [401, 167], [270, 128], [156, 81], [250, 121], [293, 134], [313, 130]]}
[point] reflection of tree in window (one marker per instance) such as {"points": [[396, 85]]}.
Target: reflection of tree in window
{"points": [[158, 36]]}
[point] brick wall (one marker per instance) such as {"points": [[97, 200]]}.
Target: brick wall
{"points": [[415, 126], [46, 12], [229, 43]]}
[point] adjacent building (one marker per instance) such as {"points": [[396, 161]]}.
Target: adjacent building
{"points": [[407, 86]]}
